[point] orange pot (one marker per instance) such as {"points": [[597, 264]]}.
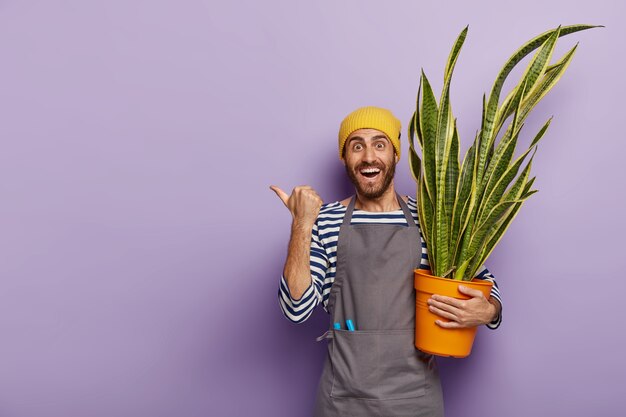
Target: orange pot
{"points": [[431, 338]]}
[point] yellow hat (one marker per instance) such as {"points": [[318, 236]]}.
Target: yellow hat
{"points": [[370, 118]]}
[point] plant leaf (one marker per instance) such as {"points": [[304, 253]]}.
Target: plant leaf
{"points": [[428, 126], [454, 54], [415, 120], [492, 104], [498, 232], [426, 214], [452, 172], [461, 203], [548, 81], [480, 233], [444, 200], [415, 164], [498, 163]]}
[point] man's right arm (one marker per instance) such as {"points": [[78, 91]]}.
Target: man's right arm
{"points": [[298, 310], [297, 294], [297, 270]]}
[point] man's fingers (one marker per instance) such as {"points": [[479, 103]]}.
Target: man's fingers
{"points": [[469, 291], [281, 194], [460, 304], [449, 324], [442, 313], [442, 306]]}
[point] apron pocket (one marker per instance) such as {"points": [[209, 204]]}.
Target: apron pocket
{"points": [[376, 364]]}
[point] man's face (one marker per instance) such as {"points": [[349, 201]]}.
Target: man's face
{"points": [[370, 161]]}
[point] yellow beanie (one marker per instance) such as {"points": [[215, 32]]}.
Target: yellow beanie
{"points": [[370, 118]]}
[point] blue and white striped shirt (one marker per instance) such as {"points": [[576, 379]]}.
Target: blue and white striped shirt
{"points": [[323, 258]]}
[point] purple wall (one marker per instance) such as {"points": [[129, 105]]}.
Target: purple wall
{"points": [[140, 246]]}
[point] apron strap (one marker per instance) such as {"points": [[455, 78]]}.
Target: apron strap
{"points": [[347, 218], [407, 213]]}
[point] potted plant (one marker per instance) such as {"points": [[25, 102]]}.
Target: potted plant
{"points": [[465, 208]]}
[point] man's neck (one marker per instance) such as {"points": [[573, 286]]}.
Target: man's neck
{"points": [[386, 202]]}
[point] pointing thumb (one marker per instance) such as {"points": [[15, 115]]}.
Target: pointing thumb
{"points": [[280, 193]]}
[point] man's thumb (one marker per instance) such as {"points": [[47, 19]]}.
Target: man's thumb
{"points": [[469, 291], [280, 193]]}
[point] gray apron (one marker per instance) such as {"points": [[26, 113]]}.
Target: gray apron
{"points": [[376, 370]]}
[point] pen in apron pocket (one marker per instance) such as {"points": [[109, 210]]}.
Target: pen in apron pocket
{"points": [[350, 325]]}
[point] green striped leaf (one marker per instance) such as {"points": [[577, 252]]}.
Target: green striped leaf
{"points": [[411, 131], [532, 73], [528, 185], [517, 189], [464, 209], [415, 164], [460, 272], [426, 219], [467, 217], [541, 132], [493, 240], [535, 69], [541, 88], [548, 81], [416, 116], [528, 194], [500, 187], [461, 203], [492, 104], [444, 144], [429, 114], [452, 172], [540, 61], [499, 162], [480, 234], [454, 54], [452, 184], [441, 232], [414, 124], [497, 233]]}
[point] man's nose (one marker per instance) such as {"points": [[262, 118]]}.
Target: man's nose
{"points": [[369, 154]]}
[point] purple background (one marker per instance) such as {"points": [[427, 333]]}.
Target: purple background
{"points": [[140, 246]]}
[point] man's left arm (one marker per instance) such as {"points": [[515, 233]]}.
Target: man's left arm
{"points": [[475, 311]]}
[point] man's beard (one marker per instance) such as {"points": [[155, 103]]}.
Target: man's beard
{"points": [[372, 191]]}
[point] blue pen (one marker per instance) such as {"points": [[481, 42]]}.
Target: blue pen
{"points": [[350, 325], [337, 326]]}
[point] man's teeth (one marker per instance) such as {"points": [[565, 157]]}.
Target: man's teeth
{"points": [[370, 171]]}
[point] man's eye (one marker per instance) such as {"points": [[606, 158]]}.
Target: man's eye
{"points": [[357, 147], [380, 145]]}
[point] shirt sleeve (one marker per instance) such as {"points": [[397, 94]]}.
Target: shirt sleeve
{"points": [[495, 293], [298, 310]]}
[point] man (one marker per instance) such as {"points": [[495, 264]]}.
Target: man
{"points": [[357, 257]]}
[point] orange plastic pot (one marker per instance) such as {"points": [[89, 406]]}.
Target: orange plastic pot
{"points": [[431, 338]]}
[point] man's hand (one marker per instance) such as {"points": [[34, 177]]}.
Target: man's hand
{"points": [[463, 313], [303, 203]]}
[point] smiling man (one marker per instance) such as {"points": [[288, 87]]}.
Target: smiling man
{"points": [[356, 258], [371, 166]]}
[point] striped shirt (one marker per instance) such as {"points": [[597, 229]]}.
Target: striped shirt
{"points": [[323, 258]]}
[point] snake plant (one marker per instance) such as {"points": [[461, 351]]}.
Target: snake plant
{"points": [[464, 209]]}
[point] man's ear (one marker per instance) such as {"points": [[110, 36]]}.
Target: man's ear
{"points": [[397, 158]]}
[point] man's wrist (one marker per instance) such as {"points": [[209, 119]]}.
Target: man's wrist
{"points": [[496, 308], [302, 225]]}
